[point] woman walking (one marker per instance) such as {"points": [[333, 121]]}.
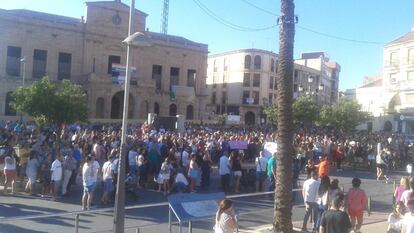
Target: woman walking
{"points": [[226, 219]]}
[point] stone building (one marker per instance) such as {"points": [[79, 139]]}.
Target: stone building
{"points": [[169, 79], [243, 82], [390, 98]]}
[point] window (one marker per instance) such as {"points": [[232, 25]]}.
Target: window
{"points": [[246, 96], [225, 80], [39, 63], [215, 81], [213, 98], [190, 112], [224, 97], [191, 76], [247, 61], [233, 110], [256, 97], [223, 109], [157, 75], [296, 76], [393, 78], [215, 66], [276, 85], [295, 87], [246, 80], [9, 110], [410, 75], [276, 65], [271, 82], [174, 76], [218, 109], [13, 61], [173, 110], [272, 65], [411, 56], [256, 80], [225, 65], [393, 58], [270, 99], [113, 60], [156, 108], [257, 62], [64, 66]]}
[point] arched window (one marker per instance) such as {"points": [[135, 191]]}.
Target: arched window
{"points": [[257, 62], [100, 108], [272, 65], [190, 112], [173, 110], [247, 61], [9, 110], [156, 108]]}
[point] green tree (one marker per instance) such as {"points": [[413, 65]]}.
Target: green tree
{"points": [[271, 114], [283, 193], [50, 103], [305, 110], [344, 115]]}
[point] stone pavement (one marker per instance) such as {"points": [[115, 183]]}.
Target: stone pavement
{"points": [[376, 222]]}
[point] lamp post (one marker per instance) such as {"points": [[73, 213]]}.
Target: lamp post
{"points": [[23, 62], [141, 40]]}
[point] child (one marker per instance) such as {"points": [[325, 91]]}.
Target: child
{"points": [[357, 202]]}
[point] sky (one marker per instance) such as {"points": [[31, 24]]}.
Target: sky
{"points": [[350, 32]]}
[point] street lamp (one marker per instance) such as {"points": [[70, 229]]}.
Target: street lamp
{"points": [[137, 39], [23, 62]]}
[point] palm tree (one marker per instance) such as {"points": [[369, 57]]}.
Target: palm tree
{"points": [[283, 197]]}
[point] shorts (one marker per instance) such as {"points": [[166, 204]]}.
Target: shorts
{"points": [[10, 174], [89, 188], [237, 173], [260, 176], [381, 166], [108, 186], [358, 214]]}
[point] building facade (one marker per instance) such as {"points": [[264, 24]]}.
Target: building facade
{"points": [[391, 98], [243, 83], [169, 79]]}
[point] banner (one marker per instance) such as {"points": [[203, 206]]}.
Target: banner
{"points": [[119, 74]]}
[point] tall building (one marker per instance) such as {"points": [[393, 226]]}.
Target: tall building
{"points": [[169, 78], [243, 82], [390, 98]]}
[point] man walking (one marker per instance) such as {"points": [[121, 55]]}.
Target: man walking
{"points": [[334, 220], [310, 197], [224, 171]]}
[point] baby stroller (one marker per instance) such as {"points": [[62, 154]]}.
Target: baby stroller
{"points": [[131, 188]]}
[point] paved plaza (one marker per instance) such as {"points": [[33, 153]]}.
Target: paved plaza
{"points": [[255, 213]]}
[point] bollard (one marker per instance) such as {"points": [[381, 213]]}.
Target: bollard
{"points": [[137, 230], [190, 227], [343, 188], [369, 206], [77, 223]]}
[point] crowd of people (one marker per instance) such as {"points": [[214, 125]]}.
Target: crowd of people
{"points": [[171, 161]]}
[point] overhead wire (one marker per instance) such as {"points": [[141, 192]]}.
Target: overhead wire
{"points": [[226, 22], [249, 29], [311, 30]]}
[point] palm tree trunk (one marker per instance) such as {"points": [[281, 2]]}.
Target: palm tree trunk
{"points": [[283, 196]]}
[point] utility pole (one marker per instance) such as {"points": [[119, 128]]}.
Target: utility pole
{"points": [[23, 61]]}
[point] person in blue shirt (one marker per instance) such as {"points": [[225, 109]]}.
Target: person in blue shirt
{"points": [[271, 171]]}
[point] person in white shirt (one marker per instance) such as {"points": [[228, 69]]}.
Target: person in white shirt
{"points": [[181, 182], [107, 180], [261, 166], [89, 177], [408, 221], [310, 197], [224, 172], [56, 176], [132, 161]]}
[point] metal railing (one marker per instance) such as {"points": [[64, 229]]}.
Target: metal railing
{"points": [[77, 214]]}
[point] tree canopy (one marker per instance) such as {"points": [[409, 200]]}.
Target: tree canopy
{"points": [[344, 115], [305, 110], [52, 103]]}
